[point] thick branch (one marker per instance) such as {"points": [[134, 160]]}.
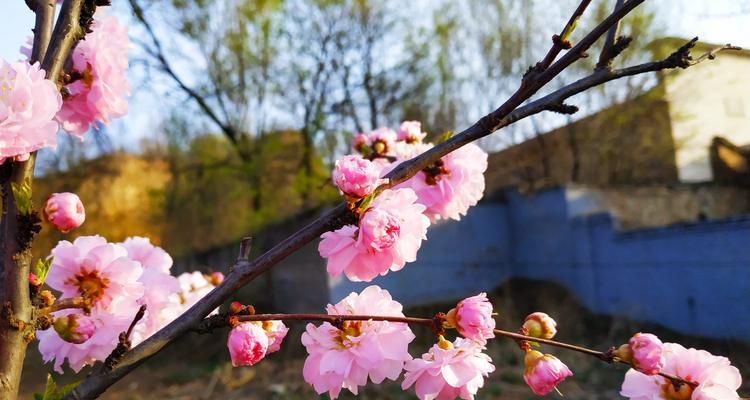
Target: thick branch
{"points": [[67, 33], [245, 271]]}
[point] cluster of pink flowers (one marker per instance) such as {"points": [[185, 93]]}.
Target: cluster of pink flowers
{"points": [[99, 86], [717, 379], [346, 356], [392, 226], [28, 104], [114, 280]]}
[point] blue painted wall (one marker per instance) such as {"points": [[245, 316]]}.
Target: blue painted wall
{"points": [[694, 278]]}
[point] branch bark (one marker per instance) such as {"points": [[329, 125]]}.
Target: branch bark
{"points": [[18, 230], [245, 271]]}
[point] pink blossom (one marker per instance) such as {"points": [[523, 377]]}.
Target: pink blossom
{"points": [[453, 184], [74, 328], [100, 62], [390, 233], [473, 318], [356, 177], [540, 325], [543, 372], [646, 352], [193, 286], [159, 287], [717, 379], [107, 327], [411, 132], [98, 271], [382, 140], [247, 344], [28, 104], [276, 331], [346, 358], [64, 211], [449, 370]]}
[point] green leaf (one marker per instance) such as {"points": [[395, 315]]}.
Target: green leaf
{"points": [[22, 195], [41, 269], [51, 392], [569, 29]]}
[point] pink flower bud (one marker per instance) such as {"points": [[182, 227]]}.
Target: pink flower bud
{"points": [[540, 325], [247, 344], [236, 307], [473, 318], [216, 278], [646, 351], [74, 328], [356, 177], [359, 142], [543, 372], [64, 211], [34, 280]]}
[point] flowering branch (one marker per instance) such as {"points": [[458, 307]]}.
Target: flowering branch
{"points": [[607, 356], [245, 271]]}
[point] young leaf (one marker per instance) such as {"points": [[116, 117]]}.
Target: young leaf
{"points": [[41, 269], [22, 196]]}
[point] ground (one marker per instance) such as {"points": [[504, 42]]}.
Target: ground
{"points": [[181, 372]]}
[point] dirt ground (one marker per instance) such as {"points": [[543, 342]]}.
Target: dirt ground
{"points": [[198, 366]]}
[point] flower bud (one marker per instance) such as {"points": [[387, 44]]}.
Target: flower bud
{"points": [[74, 328], [64, 211], [34, 280], [359, 143], [543, 372], [539, 325], [216, 278], [247, 344], [647, 352], [355, 176], [236, 307], [473, 318]]}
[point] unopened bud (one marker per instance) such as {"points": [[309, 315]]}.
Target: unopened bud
{"points": [[34, 280], [65, 211], [216, 278], [74, 328], [540, 325], [236, 307]]}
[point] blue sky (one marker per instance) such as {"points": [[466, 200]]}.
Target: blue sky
{"points": [[717, 21]]}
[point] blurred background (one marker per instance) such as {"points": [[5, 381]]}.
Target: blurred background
{"points": [[632, 214]]}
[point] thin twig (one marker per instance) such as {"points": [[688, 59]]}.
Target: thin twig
{"points": [[608, 53], [334, 319]]}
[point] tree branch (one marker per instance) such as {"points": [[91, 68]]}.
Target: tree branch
{"points": [[229, 131], [437, 321], [245, 271]]}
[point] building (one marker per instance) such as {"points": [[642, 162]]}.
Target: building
{"points": [[664, 136]]}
